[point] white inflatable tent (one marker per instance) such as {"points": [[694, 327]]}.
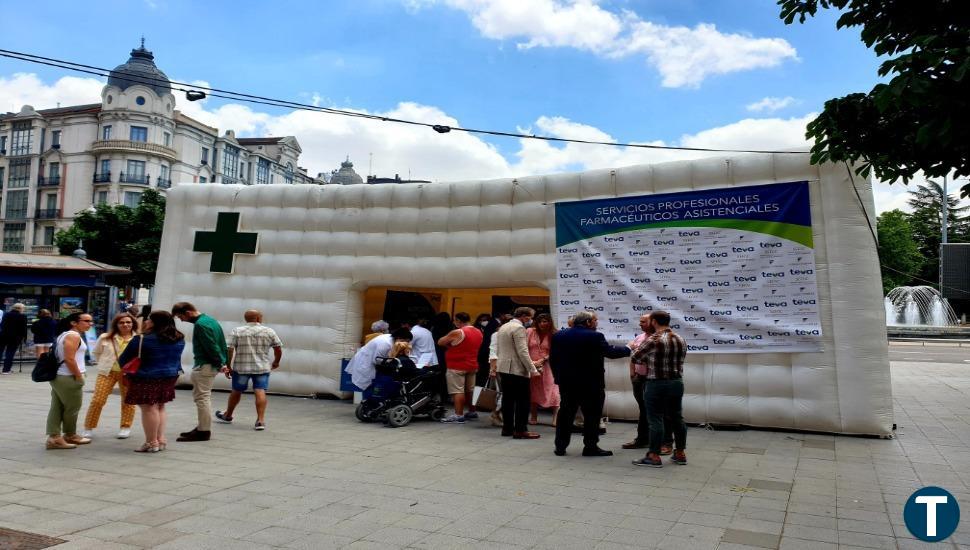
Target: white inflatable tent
{"points": [[321, 247]]}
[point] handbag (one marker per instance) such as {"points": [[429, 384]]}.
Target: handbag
{"points": [[486, 398], [131, 367], [46, 368]]}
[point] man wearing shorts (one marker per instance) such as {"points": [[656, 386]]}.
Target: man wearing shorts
{"points": [[250, 361], [461, 357]]}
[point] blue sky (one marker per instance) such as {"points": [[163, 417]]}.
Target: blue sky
{"points": [[678, 72]]}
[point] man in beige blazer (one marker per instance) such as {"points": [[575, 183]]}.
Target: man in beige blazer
{"points": [[515, 368]]}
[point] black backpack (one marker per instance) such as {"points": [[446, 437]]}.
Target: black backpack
{"points": [[46, 368]]}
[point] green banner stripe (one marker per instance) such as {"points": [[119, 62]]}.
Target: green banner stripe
{"points": [[800, 234]]}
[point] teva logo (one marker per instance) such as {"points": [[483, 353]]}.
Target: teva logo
{"points": [[931, 514]]}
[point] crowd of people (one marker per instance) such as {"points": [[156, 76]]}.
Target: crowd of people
{"points": [[142, 355], [536, 366]]}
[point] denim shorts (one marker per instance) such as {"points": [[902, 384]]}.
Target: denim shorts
{"points": [[240, 382]]}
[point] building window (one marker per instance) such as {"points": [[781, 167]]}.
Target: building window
{"points": [[205, 156], [262, 171], [16, 205], [230, 162], [56, 139], [13, 237], [163, 175], [2, 169], [51, 201], [102, 197], [48, 236], [140, 100], [3, 145], [202, 179], [132, 199], [106, 132], [167, 139], [135, 172], [105, 167], [139, 133], [288, 176], [54, 171], [22, 136], [19, 173]]}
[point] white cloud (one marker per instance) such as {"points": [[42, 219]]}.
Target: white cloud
{"points": [[759, 134], [771, 104], [684, 56], [26, 89]]}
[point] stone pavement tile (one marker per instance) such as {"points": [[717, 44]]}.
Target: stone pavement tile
{"points": [[862, 515], [14, 510], [680, 543], [750, 538], [513, 535], [424, 523], [750, 501], [315, 541], [687, 530], [871, 527], [112, 530], [809, 520], [819, 534], [392, 535], [54, 523], [866, 540], [153, 536], [370, 545], [709, 520], [759, 514], [756, 525], [649, 524], [276, 536], [559, 541], [605, 545], [788, 543], [156, 517], [196, 541], [85, 543], [732, 546], [632, 537], [913, 544], [217, 527], [438, 541]]}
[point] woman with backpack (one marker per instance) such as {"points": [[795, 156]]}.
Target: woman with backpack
{"points": [[67, 386], [106, 352], [160, 348]]}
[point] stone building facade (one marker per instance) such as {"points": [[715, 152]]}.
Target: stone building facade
{"points": [[55, 163]]}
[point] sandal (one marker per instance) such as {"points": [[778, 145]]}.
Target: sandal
{"points": [[147, 448]]}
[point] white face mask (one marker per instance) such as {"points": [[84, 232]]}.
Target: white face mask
{"points": [[484, 323], [527, 324]]}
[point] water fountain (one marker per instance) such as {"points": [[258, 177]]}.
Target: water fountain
{"points": [[918, 306]]}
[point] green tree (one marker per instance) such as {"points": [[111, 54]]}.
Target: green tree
{"points": [[918, 120], [898, 250], [926, 222], [120, 235]]}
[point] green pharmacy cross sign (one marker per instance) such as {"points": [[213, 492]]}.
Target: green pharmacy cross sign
{"points": [[225, 242]]}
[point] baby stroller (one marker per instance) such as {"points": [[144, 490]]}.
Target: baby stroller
{"points": [[400, 391]]}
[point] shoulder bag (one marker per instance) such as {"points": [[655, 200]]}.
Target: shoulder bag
{"points": [[131, 367]]}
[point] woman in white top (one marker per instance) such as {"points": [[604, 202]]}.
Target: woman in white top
{"points": [[66, 387]]}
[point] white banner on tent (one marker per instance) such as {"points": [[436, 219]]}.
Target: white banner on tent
{"points": [[734, 267]]}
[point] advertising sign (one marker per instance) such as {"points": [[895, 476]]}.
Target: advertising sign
{"points": [[734, 267]]}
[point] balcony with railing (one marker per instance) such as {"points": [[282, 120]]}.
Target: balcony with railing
{"points": [[19, 151], [47, 214], [136, 179], [163, 184], [51, 181], [103, 178], [13, 245], [129, 146], [45, 249]]}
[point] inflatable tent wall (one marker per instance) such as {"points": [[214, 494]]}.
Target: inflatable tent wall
{"points": [[321, 247]]}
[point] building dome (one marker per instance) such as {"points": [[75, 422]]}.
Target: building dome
{"points": [[140, 69], [346, 175]]}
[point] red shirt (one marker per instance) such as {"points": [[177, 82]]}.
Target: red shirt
{"points": [[464, 356]]}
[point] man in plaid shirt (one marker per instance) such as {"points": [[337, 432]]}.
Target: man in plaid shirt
{"points": [[663, 353], [249, 359]]}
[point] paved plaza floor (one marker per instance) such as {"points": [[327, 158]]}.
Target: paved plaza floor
{"points": [[317, 478]]}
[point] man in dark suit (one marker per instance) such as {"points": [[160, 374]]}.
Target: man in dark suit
{"points": [[13, 333], [576, 358]]}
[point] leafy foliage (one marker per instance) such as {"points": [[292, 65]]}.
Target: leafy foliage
{"points": [[120, 235], [918, 120], [898, 250]]}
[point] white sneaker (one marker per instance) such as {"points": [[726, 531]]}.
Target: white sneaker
{"points": [[87, 433], [124, 433]]}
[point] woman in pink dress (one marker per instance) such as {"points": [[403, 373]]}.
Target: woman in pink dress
{"points": [[545, 392]]}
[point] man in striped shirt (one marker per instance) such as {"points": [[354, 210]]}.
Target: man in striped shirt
{"points": [[663, 353]]}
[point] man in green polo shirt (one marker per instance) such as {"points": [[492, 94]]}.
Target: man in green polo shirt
{"points": [[209, 353]]}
